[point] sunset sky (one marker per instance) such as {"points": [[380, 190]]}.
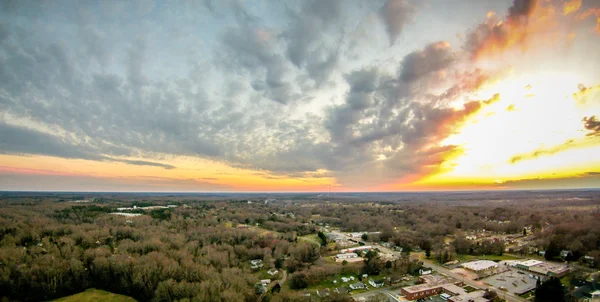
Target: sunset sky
{"points": [[269, 95]]}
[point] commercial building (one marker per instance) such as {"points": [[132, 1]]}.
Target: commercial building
{"points": [[542, 268], [433, 285], [480, 266], [476, 296]]}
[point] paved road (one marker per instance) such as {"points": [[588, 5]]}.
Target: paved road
{"points": [[510, 297]]}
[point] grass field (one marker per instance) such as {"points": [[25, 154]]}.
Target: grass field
{"points": [[487, 257], [93, 295]]}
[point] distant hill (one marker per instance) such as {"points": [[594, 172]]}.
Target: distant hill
{"points": [[93, 295]]}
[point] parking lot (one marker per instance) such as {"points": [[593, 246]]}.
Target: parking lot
{"points": [[512, 281]]}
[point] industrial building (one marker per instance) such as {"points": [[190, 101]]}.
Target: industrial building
{"points": [[480, 266], [541, 268]]}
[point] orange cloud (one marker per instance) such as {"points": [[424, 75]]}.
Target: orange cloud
{"points": [[592, 12], [525, 26], [571, 6]]}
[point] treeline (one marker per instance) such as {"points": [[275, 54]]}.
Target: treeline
{"points": [[52, 250]]}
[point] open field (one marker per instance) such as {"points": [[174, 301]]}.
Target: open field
{"points": [[92, 295], [487, 257]]}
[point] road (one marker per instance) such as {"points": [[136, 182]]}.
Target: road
{"points": [[510, 297]]}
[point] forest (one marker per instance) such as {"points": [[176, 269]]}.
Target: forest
{"points": [[201, 250]]}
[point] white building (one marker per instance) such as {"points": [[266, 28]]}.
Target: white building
{"points": [[480, 266]]}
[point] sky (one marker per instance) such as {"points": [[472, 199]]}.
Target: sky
{"points": [[299, 95]]}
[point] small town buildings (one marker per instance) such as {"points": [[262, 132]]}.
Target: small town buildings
{"points": [[376, 283], [480, 266], [273, 272], [357, 285]]}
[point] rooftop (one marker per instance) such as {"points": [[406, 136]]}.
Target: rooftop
{"points": [[530, 262], [480, 265]]}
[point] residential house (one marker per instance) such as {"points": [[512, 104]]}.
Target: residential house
{"points": [[357, 285], [256, 264], [376, 283]]}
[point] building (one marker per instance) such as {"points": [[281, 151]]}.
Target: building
{"points": [[542, 268], [356, 249], [346, 256], [323, 292], [480, 266], [357, 285], [425, 271], [432, 285], [265, 282], [256, 264], [376, 283], [273, 272], [476, 296]]}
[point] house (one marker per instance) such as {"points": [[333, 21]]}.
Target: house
{"points": [[265, 282], [542, 253], [357, 285], [586, 292], [256, 264], [425, 271], [323, 292], [564, 253], [273, 272], [345, 280], [376, 283]]}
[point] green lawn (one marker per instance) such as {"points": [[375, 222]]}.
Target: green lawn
{"points": [[93, 295], [487, 257]]}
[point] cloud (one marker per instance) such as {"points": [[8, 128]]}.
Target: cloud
{"points": [[494, 36], [395, 14], [592, 124], [433, 57], [20, 140], [309, 90], [571, 6], [43, 180], [567, 145], [583, 181]]}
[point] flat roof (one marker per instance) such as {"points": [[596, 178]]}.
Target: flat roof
{"points": [[530, 262], [454, 289], [480, 265], [421, 287]]}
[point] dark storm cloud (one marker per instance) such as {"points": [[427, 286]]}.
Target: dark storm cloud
{"points": [[592, 124], [433, 57], [395, 14]]}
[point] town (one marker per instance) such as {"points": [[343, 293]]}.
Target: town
{"points": [[304, 247]]}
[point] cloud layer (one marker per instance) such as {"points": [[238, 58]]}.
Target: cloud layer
{"points": [[285, 88]]}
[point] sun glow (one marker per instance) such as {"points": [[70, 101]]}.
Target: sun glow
{"points": [[534, 130]]}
